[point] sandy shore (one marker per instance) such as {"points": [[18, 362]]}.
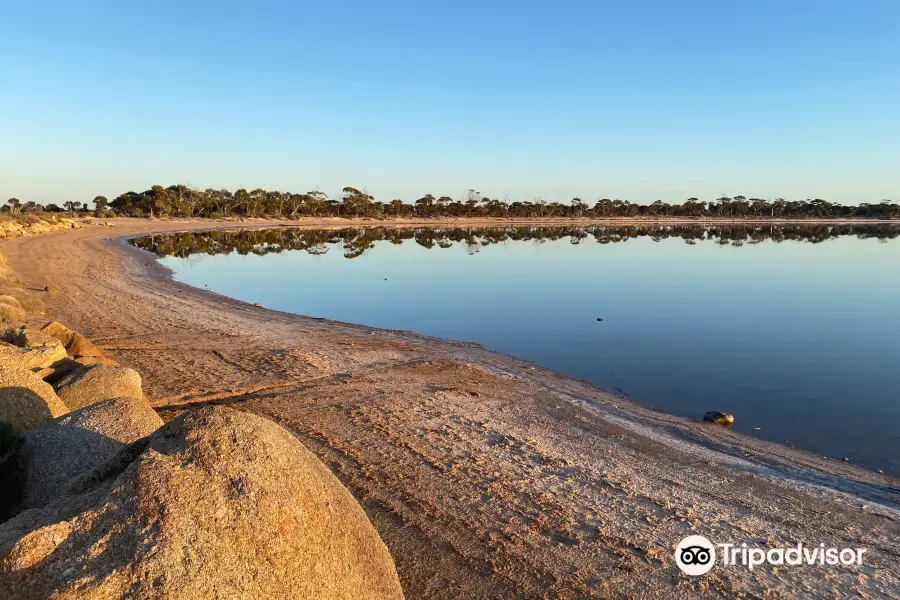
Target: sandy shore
{"points": [[486, 476]]}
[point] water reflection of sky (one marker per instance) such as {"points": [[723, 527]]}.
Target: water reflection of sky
{"points": [[801, 340]]}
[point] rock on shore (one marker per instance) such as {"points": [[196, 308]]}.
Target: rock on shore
{"points": [[11, 309], [76, 345], [89, 384], [717, 416], [29, 350], [7, 275], [216, 504], [27, 401], [78, 441]]}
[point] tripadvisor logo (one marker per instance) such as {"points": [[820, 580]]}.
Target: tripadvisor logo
{"points": [[696, 555]]}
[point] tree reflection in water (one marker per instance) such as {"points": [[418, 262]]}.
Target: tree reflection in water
{"points": [[357, 241]]}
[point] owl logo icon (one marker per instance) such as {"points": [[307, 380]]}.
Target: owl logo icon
{"points": [[695, 555]]}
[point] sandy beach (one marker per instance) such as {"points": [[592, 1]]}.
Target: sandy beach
{"points": [[485, 475]]}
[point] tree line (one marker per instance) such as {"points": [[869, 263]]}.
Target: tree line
{"points": [[184, 201], [355, 241]]}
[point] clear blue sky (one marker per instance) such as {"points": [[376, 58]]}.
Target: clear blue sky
{"points": [[640, 100]]}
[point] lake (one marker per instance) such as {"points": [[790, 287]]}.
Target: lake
{"points": [[793, 329]]}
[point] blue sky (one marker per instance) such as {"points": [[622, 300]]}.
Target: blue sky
{"points": [[639, 100]]}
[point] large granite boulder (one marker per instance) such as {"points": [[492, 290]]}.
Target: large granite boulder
{"points": [[7, 275], [61, 368], [28, 349], [89, 384], [81, 440], [31, 302], [215, 504], [11, 309], [75, 344], [25, 400], [26, 337]]}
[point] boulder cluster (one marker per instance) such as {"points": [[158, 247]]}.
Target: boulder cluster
{"points": [[34, 225], [101, 499]]}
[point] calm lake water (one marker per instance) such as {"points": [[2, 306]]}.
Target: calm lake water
{"points": [[796, 331]]}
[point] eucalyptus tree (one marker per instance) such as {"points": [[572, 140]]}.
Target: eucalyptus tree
{"points": [[100, 203], [425, 205]]}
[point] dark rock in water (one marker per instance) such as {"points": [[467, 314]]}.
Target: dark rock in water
{"points": [[721, 418]]}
